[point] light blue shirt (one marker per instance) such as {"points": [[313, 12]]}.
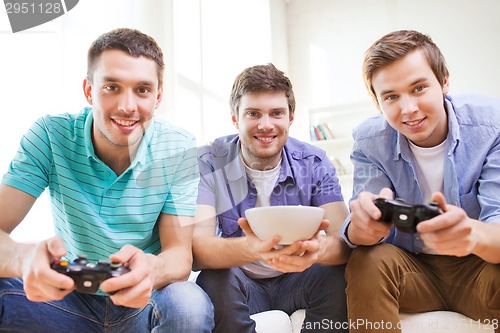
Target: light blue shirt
{"points": [[382, 158], [95, 211]]}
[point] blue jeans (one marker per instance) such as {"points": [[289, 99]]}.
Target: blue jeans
{"points": [[320, 290], [179, 307]]}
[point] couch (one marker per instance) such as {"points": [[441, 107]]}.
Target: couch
{"points": [[276, 321]]}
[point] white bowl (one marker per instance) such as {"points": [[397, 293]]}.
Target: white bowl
{"points": [[291, 223]]}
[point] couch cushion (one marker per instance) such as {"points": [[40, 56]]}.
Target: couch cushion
{"points": [[441, 322], [273, 321]]}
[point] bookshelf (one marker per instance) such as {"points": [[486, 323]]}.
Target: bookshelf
{"points": [[338, 121]]}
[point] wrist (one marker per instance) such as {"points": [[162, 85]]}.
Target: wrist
{"points": [[345, 237]]}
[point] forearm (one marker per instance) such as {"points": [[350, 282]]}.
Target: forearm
{"points": [[12, 254], [172, 265], [333, 251], [217, 252]]}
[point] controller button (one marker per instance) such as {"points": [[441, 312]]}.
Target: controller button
{"points": [[64, 263], [403, 217], [116, 264], [87, 284]]}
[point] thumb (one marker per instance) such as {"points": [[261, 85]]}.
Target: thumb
{"points": [[440, 199], [243, 223], [56, 248], [125, 254], [386, 193], [325, 223]]}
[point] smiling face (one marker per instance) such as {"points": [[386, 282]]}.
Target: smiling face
{"points": [[263, 122], [123, 93], [412, 99]]}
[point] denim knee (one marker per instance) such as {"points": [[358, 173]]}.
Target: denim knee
{"points": [[183, 307], [221, 284]]}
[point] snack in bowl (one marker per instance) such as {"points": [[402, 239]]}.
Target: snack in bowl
{"points": [[291, 223]]}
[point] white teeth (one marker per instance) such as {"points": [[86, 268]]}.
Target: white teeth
{"points": [[412, 123], [125, 122], [265, 139]]}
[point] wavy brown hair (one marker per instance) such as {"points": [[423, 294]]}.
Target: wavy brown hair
{"points": [[396, 45], [261, 78]]}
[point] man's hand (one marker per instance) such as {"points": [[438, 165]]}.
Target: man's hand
{"points": [[365, 229], [41, 282], [451, 233], [132, 289], [307, 253], [295, 257], [264, 249]]}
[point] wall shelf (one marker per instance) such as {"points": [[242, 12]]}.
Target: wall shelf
{"points": [[340, 120]]}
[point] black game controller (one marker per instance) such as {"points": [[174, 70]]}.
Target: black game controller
{"points": [[88, 276], [403, 215]]}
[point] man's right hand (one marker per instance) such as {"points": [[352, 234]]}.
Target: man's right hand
{"points": [[41, 282], [267, 249], [364, 228]]}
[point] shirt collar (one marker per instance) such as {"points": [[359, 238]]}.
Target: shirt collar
{"points": [[89, 146], [453, 127]]}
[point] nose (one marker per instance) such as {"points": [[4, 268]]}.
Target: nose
{"points": [[408, 105], [265, 123], [127, 102]]}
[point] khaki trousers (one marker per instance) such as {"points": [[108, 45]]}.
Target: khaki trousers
{"points": [[383, 280]]}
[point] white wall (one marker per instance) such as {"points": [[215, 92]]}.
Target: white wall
{"points": [[327, 39]]}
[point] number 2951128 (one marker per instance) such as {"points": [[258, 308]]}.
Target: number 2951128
{"points": [[33, 8]]}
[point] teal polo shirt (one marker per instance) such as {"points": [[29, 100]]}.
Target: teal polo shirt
{"points": [[95, 211]]}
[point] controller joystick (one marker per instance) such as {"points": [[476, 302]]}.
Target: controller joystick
{"points": [[89, 276], [403, 215]]}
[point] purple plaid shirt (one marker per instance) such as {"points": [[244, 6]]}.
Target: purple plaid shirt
{"points": [[307, 178]]}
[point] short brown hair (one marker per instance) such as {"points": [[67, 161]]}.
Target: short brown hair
{"points": [[396, 45], [131, 41], [261, 78]]}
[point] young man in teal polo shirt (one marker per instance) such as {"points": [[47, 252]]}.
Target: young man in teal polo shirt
{"points": [[123, 187]]}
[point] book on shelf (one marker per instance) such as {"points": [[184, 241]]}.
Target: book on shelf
{"points": [[312, 133], [321, 132]]}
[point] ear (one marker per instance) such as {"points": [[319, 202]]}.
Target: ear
{"points": [[159, 97], [446, 86], [292, 117], [235, 121], [87, 90]]}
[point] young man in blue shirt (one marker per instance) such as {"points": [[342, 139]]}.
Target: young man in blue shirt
{"points": [[123, 187], [425, 146], [263, 166]]}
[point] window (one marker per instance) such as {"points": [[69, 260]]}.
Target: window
{"points": [[213, 42]]}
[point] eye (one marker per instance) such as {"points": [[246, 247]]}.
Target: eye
{"points": [[110, 88], [278, 114], [143, 90], [390, 97], [252, 114], [419, 88]]}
